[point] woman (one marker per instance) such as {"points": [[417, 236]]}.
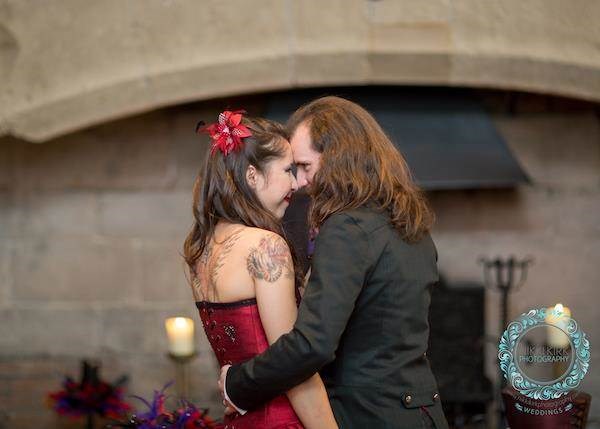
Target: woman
{"points": [[242, 270]]}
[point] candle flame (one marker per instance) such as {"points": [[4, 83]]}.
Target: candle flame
{"points": [[559, 308], [180, 322]]}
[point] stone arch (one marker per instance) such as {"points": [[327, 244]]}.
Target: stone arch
{"points": [[137, 66]]}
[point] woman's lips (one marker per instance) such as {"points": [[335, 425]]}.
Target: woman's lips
{"points": [[287, 199]]}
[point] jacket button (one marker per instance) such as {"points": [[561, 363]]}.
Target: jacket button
{"points": [[408, 399], [436, 396]]}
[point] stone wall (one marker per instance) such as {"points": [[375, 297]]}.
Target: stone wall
{"points": [[555, 220], [91, 225]]}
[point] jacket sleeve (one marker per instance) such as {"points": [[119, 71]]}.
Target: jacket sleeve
{"points": [[339, 268]]}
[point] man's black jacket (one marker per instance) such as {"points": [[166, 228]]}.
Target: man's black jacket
{"points": [[363, 323]]}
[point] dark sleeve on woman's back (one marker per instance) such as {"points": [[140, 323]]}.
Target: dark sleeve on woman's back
{"points": [[339, 267]]}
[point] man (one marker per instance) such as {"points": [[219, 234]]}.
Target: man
{"points": [[363, 320]]}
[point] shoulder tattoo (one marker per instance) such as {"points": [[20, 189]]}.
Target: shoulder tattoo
{"points": [[270, 259]]}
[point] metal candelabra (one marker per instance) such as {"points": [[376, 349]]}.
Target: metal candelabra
{"points": [[506, 276]]}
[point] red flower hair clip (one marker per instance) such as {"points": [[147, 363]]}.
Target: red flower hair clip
{"points": [[227, 133]]}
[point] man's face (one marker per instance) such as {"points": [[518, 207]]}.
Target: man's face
{"points": [[306, 158]]}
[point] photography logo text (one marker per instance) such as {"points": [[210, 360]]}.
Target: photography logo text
{"points": [[544, 355]]}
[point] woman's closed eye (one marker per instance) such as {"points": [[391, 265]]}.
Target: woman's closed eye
{"points": [[292, 169]]}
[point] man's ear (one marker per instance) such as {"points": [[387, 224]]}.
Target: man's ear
{"points": [[251, 176]]}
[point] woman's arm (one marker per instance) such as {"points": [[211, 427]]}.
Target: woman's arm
{"points": [[340, 265], [270, 265]]}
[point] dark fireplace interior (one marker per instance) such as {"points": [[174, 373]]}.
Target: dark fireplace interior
{"points": [[456, 351]]}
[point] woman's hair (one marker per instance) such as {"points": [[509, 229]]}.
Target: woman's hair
{"points": [[221, 191], [359, 166]]}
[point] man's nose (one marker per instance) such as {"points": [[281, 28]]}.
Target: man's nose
{"points": [[301, 179]]}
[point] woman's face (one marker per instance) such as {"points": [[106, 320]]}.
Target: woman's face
{"points": [[276, 184]]}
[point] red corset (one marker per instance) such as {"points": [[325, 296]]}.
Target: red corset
{"points": [[236, 334]]}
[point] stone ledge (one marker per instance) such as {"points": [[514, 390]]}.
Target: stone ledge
{"points": [[52, 118]]}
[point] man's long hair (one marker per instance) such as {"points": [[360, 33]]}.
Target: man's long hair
{"points": [[359, 166]]}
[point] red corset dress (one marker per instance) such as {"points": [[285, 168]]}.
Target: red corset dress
{"points": [[236, 334]]}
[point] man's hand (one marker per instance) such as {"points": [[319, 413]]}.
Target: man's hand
{"points": [[228, 407]]}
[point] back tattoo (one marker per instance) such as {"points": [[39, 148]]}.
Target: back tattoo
{"points": [[211, 262]]}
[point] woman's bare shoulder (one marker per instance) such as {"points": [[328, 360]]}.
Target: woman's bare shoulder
{"points": [[253, 236]]}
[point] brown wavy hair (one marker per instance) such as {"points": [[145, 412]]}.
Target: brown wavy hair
{"points": [[359, 166], [221, 191]]}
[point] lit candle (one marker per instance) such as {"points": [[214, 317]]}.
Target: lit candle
{"points": [[180, 331], [558, 316]]}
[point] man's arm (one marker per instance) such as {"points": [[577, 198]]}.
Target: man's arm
{"points": [[339, 268]]}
